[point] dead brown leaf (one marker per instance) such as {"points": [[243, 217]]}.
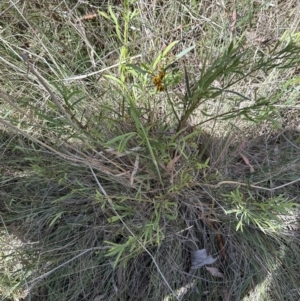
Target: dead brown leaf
{"points": [[171, 164], [246, 160], [89, 17], [232, 25], [226, 295], [215, 272], [241, 147]]}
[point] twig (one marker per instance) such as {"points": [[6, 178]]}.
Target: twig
{"points": [[250, 185], [99, 71]]}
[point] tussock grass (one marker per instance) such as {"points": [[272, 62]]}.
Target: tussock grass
{"points": [[135, 133]]}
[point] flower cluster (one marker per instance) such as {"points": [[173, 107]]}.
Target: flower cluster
{"points": [[158, 80]]}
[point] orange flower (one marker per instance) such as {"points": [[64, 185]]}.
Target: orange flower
{"points": [[158, 81]]}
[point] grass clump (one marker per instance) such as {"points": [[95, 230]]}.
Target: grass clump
{"points": [[129, 150]]}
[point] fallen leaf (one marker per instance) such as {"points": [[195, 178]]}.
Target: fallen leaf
{"points": [[135, 169], [200, 259], [246, 160], [215, 272], [89, 17], [232, 25], [171, 164]]}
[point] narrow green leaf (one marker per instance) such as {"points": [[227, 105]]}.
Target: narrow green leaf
{"points": [[187, 84], [144, 135], [239, 226], [117, 26], [115, 218], [124, 141], [138, 69], [171, 217], [230, 48], [169, 47], [117, 80], [77, 101], [103, 14], [57, 216], [157, 60], [184, 52], [120, 138]]}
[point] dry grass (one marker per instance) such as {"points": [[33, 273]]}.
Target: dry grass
{"points": [[106, 191]]}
